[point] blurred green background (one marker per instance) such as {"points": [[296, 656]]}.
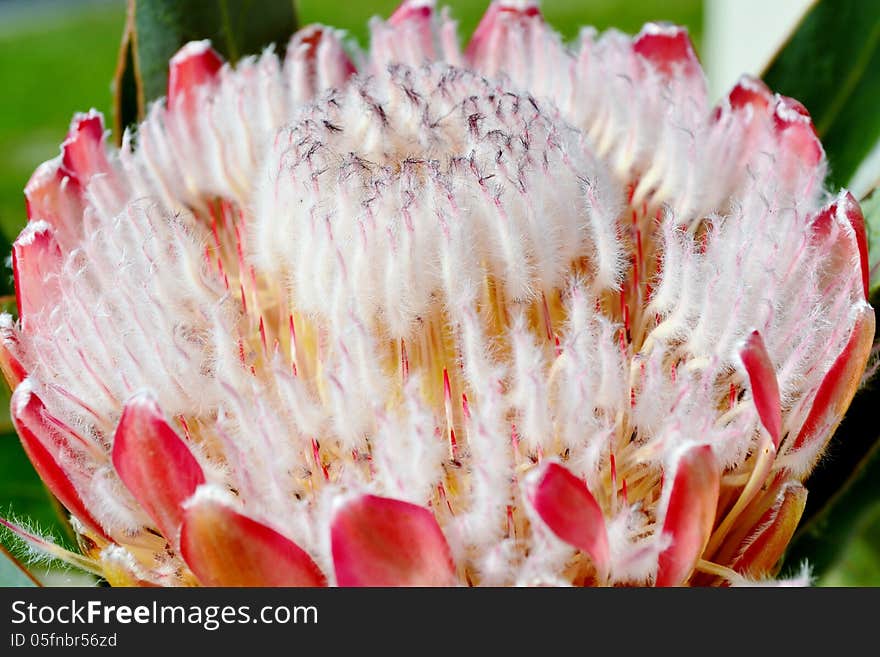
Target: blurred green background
{"points": [[59, 56]]}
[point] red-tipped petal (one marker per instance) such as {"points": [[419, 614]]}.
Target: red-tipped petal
{"points": [[567, 507], [42, 443], [496, 22], [412, 10], [195, 64], [53, 196], [36, 265], [690, 514], [839, 385], [412, 27], [853, 213], [762, 550], [155, 464], [668, 48], [378, 541], [750, 92], [765, 387], [82, 153], [316, 61], [226, 548], [823, 222], [844, 210], [796, 132]]}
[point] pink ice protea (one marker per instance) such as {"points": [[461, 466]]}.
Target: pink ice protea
{"points": [[525, 314]]}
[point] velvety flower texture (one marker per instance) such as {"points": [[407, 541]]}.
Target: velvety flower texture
{"points": [[527, 313]]}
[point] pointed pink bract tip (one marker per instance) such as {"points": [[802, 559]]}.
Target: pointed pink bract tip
{"points": [[379, 541], [668, 48], [82, 153], [845, 208], [690, 514], [853, 213], [53, 195], [412, 10], [497, 19], [750, 92], [195, 64], [154, 463], [567, 507], [795, 127], [319, 55], [765, 387], [36, 264]]}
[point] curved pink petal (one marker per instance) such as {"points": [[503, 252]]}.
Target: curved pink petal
{"points": [[795, 130], [750, 92], [194, 65], [412, 10], [155, 464], [82, 153], [853, 213], [840, 384], [487, 48], [226, 548], [668, 48], [765, 387], [841, 246], [690, 514], [36, 266], [378, 541], [567, 507], [407, 37], [414, 35], [53, 196], [316, 61], [845, 208], [417, 13], [42, 443]]}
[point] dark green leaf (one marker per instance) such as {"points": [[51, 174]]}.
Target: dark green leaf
{"points": [[158, 28], [832, 65], [128, 102], [859, 561]]}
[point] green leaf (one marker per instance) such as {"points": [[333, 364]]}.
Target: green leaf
{"points": [[128, 102], [12, 573], [831, 64], [156, 29], [859, 561]]}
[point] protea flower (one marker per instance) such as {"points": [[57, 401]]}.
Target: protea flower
{"points": [[528, 313]]}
